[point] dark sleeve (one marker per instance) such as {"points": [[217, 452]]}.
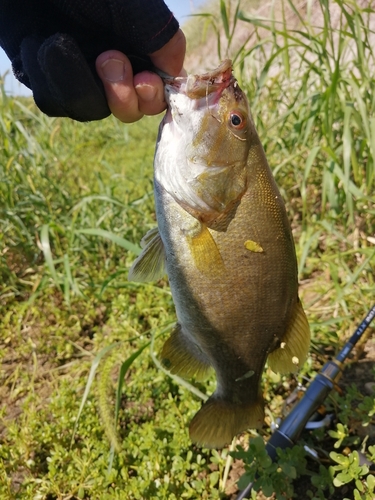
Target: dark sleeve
{"points": [[53, 45]]}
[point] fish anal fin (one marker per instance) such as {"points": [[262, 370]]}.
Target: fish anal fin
{"points": [[150, 264], [292, 353], [205, 253], [182, 357], [219, 420]]}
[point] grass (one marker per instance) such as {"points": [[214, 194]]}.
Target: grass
{"points": [[76, 200]]}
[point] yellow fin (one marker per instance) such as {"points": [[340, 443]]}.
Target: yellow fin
{"points": [[182, 357], [253, 246], [205, 253], [150, 264], [292, 353], [218, 421]]}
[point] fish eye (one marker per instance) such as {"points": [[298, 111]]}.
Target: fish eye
{"points": [[237, 120]]}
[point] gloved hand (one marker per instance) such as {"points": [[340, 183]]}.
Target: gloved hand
{"points": [[53, 45]]}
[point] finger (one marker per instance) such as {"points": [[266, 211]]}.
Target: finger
{"points": [[150, 91], [116, 73], [170, 58]]}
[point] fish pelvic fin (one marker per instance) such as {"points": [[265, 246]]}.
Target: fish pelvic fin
{"points": [[205, 253], [184, 358], [293, 350], [150, 264], [219, 420]]}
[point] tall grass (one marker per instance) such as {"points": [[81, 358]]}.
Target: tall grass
{"points": [[69, 197], [328, 100]]}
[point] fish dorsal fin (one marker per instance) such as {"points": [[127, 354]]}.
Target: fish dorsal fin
{"points": [[292, 353], [205, 253], [150, 264]]}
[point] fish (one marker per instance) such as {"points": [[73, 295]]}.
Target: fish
{"points": [[225, 242]]}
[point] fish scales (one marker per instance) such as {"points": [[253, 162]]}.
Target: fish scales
{"points": [[229, 255]]}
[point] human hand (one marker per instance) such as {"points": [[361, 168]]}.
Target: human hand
{"points": [[53, 46], [128, 97]]}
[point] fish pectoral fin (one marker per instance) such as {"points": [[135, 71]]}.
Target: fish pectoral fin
{"points": [[150, 264], [292, 353], [182, 357], [218, 421], [205, 253], [149, 236]]}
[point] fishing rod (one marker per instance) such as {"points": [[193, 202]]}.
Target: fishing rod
{"points": [[290, 428]]}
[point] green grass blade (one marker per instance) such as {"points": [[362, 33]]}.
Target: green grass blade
{"points": [[94, 367], [112, 277], [306, 172], [358, 271], [347, 150], [67, 279], [46, 249], [121, 377], [224, 18], [307, 241], [285, 53], [370, 170], [122, 242], [107, 199]]}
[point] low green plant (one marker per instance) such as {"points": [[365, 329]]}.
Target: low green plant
{"points": [[271, 477], [341, 435], [347, 470]]}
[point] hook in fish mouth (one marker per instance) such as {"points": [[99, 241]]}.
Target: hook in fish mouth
{"points": [[197, 86]]}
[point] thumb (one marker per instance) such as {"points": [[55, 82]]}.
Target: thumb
{"points": [[170, 58]]}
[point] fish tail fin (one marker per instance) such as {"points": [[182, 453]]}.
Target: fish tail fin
{"points": [[292, 353], [218, 421], [182, 357]]}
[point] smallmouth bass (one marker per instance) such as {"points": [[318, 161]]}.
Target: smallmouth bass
{"points": [[225, 241]]}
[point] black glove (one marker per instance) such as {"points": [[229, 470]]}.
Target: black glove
{"points": [[53, 45]]}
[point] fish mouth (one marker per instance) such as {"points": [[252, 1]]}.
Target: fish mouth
{"points": [[198, 86]]}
